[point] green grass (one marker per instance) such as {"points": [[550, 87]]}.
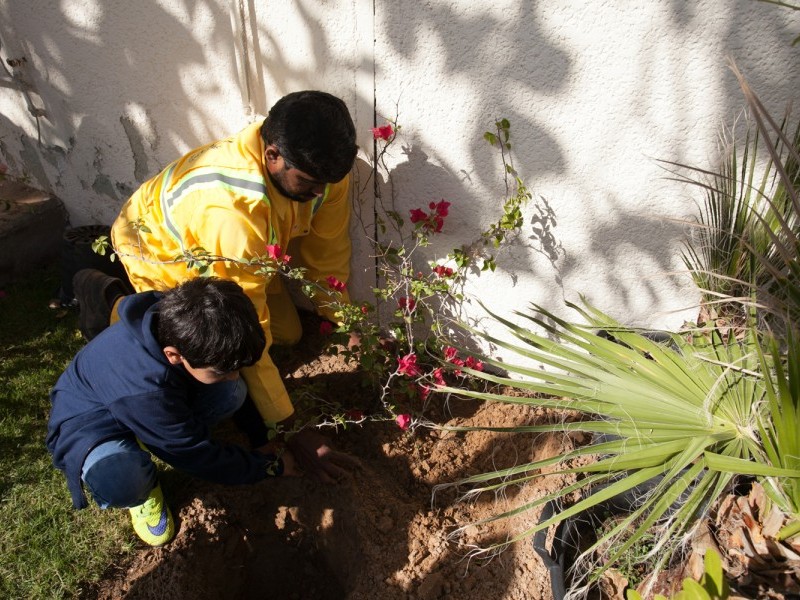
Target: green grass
{"points": [[47, 549]]}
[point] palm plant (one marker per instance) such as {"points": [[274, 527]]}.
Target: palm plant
{"points": [[683, 417], [743, 240], [780, 294], [780, 432], [686, 416]]}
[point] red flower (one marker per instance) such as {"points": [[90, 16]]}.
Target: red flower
{"points": [[433, 221], [459, 363], [441, 208], [423, 391], [474, 363], [438, 377], [450, 353], [443, 271], [275, 253], [326, 328], [407, 303], [364, 309], [403, 421], [335, 284], [382, 133], [407, 365], [418, 215]]}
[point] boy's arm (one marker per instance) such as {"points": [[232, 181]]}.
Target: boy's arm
{"points": [[165, 424]]}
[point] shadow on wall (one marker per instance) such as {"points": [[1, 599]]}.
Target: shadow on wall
{"points": [[129, 95], [135, 103], [534, 64]]}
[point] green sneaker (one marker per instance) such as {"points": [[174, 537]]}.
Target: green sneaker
{"points": [[152, 521]]}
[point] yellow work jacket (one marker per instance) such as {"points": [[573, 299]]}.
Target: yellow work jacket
{"points": [[218, 197]]}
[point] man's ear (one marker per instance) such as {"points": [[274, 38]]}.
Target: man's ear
{"points": [[173, 356], [273, 156]]}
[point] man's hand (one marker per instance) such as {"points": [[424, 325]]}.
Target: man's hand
{"points": [[290, 468], [315, 455]]}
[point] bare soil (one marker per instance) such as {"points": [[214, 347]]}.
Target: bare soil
{"points": [[380, 534]]}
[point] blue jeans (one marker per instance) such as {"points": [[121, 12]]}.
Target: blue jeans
{"points": [[119, 473]]}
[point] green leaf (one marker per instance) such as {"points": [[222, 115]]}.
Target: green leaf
{"points": [[741, 466], [713, 579]]}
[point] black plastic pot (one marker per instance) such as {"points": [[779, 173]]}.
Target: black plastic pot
{"points": [[577, 533]]}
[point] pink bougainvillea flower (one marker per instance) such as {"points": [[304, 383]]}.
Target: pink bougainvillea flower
{"points": [[407, 365], [403, 421], [334, 283], [382, 133], [443, 271], [441, 208], [275, 253], [473, 363], [450, 353], [423, 391], [418, 215], [354, 414], [326, 328], [407, 303], [438, 376], [433, 221], [459, 363]]}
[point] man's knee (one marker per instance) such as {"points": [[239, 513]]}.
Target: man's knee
{"points": [[286, 336]]}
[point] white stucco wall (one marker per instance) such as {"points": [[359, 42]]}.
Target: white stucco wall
{"points": [[595, 92]]}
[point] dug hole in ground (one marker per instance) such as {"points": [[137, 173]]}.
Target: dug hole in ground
{"points": [[378, 535]]}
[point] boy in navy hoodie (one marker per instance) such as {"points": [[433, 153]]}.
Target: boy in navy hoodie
{"points": [[155, 382]]}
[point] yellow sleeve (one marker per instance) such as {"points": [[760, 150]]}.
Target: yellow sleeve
{"points": [[237, 234], [326, 250]]}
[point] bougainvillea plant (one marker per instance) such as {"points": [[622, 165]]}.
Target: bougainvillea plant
{"points": [[398, 350]]}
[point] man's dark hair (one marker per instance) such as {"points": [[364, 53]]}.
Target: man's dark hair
{"points": [[212, 324], [314, 132]]}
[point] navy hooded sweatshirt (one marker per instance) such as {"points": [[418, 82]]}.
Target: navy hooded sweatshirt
{"points": [[121, 384]]}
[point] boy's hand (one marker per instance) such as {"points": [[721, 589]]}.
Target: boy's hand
{"points": [[315, 455]]}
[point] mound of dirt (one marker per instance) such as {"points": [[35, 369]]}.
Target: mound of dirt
{"points": [[380, 534]]}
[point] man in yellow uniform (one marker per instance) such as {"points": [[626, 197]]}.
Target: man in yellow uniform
{"points": [[271, 183]]}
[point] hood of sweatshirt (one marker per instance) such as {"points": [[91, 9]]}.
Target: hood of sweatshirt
{"points": [[138, 313]]}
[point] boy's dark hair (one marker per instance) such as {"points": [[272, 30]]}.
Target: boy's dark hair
{"points": [[212, 324], [314, 132]]}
